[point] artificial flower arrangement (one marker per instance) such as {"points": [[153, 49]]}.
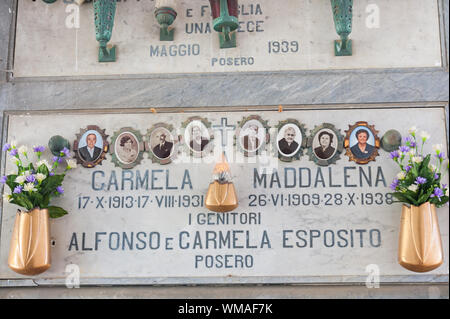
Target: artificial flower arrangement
{"points": [[419, 181], [419, 184], [34, 184], [32, 188]]}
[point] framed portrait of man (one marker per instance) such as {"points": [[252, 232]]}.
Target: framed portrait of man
{"points": [[290, 140], [325, 144], [362, 143], [161, 143], [91, 146], [127, 147]]}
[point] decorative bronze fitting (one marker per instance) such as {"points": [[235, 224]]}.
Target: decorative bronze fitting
{"points": [[165, 14], [221, 196], [391, 140], [57, 143], [29, 252], [342, 16], [420, 246], [225, 21], [104, 11]]}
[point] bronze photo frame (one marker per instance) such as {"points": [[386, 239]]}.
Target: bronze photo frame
{"points": [[351, 143], [127, 148], [91, 135], [325, 144]]}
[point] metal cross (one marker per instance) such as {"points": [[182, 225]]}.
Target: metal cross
{"points": [[223, 128]]}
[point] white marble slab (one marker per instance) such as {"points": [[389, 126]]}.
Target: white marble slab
{"points": [[274, 253], [54, 40]]}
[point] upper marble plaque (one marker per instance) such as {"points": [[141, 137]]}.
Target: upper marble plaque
{"points": [[59, 39]]}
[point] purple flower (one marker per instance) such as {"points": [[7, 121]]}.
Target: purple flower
{"points": [[410, 141], [441, 156], [57, 159], [51, 174], [65, 152], [408, 168], [39, 149], [18, 189], [436, 176], [3, 179], [404, 149], [6, 147], [394, 184], [394, 155], [30, 179], [437, 193], [421, 180], [60, 190], [13, 152]]}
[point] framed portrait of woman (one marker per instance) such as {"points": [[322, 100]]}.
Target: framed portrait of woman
{"points": [[325, 144], [362, 143], [127, 148]]}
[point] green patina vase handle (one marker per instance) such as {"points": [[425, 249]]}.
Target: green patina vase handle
{"points": [[104, 12]]}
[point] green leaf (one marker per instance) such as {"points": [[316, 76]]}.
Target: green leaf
{"points": [[10, 181], [43, 169], [50, 183], [411, 199], [45, 201], [56, 212], [442, 202], [401, 197], [22, 200], [414, 172], [30, 167], [422, 199], [37, 199], [424, 164]]}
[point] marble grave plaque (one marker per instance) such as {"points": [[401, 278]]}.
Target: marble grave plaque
{"points": [[296, 221], [288, 35]]}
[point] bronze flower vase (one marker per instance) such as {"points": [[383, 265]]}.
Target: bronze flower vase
{"points": [[29, 252], [420, 246]]}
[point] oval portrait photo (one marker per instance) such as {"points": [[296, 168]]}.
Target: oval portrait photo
{"points": [[252, 136], [127, 148], [362, 142], [90, 146], [196, 136], [325, 144], [289, 140], [161, 143]]}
